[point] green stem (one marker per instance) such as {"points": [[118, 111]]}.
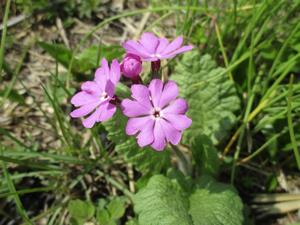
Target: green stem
{"points": [[117, 185], [182, 159]]}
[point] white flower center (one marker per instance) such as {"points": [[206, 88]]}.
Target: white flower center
{"points": [[157, 113], [104, 95], [155, 55]]}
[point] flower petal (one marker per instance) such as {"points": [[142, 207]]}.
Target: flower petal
{"points": [[115, 72], [141, 94], [179, 106], [180, 122], [169, 93], [150, 59], [159, 137], [100, 78], [107, 111], [92, 88], [150, 42], [110, 88], [136, 48], [178, 51], [173, 135], [175, 44], [84, 110], [105, 67], [155, 88], [146, 135], [135, 125], [82, 98], [133, 108], [92, 119], [163, 43]]}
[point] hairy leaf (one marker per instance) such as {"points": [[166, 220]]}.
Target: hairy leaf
{"points": [[211, 96], [162, 202], [205, 155], [214, 203]]}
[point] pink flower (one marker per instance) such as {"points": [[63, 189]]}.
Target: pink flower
{"points": [[152, 48], [95, 98], [155, 114], [131, 66]]}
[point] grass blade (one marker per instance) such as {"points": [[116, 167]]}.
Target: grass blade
{"points": [[290, 123], [62, 127], [16, 197], [3, 37]]}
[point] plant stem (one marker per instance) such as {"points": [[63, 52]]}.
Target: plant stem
{"points": [[117, 185], [155, 69], [137, 80], [182, 159]]}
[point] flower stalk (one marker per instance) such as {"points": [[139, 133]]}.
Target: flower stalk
{"points": [[182, 160], [155, 69]]}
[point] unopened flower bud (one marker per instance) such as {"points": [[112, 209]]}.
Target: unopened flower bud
{"points": [[131, 66]]}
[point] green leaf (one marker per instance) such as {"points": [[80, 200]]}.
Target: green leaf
{"points": [[116, 208], [162, 202], [59, 52], [268, 50], [84, 61], [108, 214], [211, 96], [88, 58], [81, 210], [112, 52], [185, 182], [142, 181], [104, 218], [205, 155], [145, 159], [87, 7], [214, 203], [122, 91], [132, 222], [91, 56], [102, 202]]}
